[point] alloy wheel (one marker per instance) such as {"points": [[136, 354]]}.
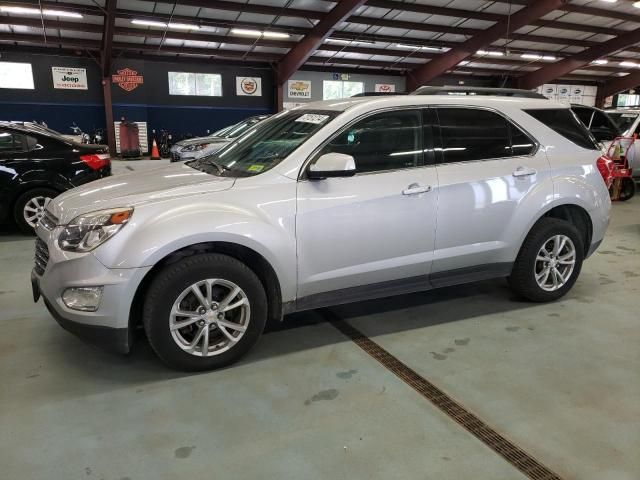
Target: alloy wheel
{"points": [[555, 263], [209, 317], [34, 210]]}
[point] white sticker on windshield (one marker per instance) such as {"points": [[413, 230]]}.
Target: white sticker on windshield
{"points": [[629, 115], [312, 118]]}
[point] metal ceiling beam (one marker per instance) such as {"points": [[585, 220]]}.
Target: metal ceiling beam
{"points": [[579, 60], [481, 15], [453, 57], [107, 36], [146, 49], [299, 54], [388, 4], [232, 40], [620, 85]]}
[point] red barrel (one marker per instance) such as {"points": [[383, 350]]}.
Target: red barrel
{"points": [[124, 138]]}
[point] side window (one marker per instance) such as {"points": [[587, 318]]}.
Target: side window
{"points": [[13, 142], [564, 122], [473, 134], [6, 142], [521, 144], [385, 141]]}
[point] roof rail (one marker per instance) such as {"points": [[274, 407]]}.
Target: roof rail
{"points": [[459, 90]]}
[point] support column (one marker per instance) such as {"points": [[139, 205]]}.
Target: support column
{"points": [[108, 111]]}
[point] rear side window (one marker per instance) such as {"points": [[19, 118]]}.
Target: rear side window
{"points": [[474, 134], [564, 122], [13, 142]]}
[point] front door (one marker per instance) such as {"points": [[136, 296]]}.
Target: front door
{"points": [[377, 227]]}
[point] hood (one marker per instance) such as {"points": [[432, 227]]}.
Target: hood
{"points": [[199, 140], [135, 189]]}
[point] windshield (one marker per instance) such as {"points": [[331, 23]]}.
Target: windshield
{"points": [[242, 127], [266, 144], [624, 120]]}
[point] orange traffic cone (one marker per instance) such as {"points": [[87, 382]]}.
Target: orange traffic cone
{"points": [[155, 154]]}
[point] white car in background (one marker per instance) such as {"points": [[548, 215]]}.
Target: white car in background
{"points": [[199, 147]]}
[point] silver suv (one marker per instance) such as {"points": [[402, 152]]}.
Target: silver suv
{"points": [[336, 202]]}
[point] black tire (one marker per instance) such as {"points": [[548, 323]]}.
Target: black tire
{"points": [[165, 289], [522, 280], [21, 202]]}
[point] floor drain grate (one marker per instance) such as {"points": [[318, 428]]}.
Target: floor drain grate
{"points": [[513, 454]]}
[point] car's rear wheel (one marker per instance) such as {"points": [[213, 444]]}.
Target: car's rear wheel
{"points": [[549, 261], [204, 312], [30, 206]]}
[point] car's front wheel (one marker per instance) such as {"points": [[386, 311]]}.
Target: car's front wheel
{"points": [[204, 312], [549, 261], [30, 207]]}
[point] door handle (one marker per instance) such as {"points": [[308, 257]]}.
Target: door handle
{"points": [[416, 188], [524, 172]]}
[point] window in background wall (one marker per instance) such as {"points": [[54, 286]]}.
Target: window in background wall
{"points": [[195, 84], [16, 75], [336, 89], [626, 100]]}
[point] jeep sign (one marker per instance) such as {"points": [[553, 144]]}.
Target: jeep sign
{"points": [[68, 78]]}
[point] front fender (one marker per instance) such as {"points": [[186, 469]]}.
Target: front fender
{"points": [[152, 236]]}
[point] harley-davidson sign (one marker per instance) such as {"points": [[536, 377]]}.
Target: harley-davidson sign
{"points": [[127, 79]]}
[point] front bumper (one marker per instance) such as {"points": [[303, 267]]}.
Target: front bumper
{"points": [[109, 326]]}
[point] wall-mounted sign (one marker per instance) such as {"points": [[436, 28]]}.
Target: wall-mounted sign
{"points": [[127, 79], [299, 89], [68, 78], [340, 76], [385, 87], [249, 86]]}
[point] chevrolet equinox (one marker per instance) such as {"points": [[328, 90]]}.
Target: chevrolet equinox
{"points": [[334, 202]]}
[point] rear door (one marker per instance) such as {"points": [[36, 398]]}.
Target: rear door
{"points": [[486, 166]]}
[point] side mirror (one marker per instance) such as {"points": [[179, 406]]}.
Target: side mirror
{"points": [[332, 165]]}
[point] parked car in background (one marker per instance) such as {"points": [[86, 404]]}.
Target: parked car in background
{"points": [[36, 165], [601, 126], [199, 147], [330, 203], [628, 119]]}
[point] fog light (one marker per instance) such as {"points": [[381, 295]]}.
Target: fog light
{"points": [[85, 299]]}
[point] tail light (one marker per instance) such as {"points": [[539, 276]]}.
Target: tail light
{"points": [[605, 167], [96, 161]]}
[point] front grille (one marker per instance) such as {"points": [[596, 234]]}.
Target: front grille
{"points": [[41, 257], [48, 220]]}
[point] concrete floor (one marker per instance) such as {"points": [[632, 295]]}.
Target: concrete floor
{"points": [[561, 380]]}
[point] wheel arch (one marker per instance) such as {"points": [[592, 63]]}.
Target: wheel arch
{"points": [[254, 260], [573, 213]]}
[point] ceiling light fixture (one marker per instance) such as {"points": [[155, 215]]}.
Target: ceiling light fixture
{"points": [[535, 56], [258, 33], [275, 35], [636, 4], [36, 11], [491, 53], [348, 42], [183, 26], [600, 61], [419, 47], [155, 23], [629, 64]]}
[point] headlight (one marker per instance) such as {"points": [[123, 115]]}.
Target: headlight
{"points": [[193, 148], [86, 232]]}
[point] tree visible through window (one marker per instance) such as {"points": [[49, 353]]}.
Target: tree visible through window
{"points": [[195, 84]]}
